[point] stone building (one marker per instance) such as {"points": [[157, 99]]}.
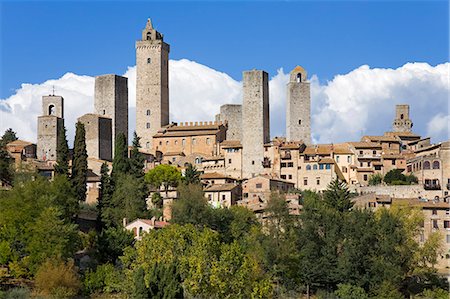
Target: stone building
{"points": [[255, 121], [50, 124], [152, 85], [402, 123], [298, 107], [232, 115], [111, 100], [98, 136]]}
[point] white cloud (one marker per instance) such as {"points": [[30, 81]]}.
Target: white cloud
{"points": [[360, 102]]}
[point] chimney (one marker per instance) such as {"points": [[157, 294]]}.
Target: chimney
{"points": [[124, 221]]}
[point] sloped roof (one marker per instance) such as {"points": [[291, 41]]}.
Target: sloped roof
{"points": [[221, 187]]}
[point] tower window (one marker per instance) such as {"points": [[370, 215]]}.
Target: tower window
{"points": [[401, 116], [148, 112], [149, 60], [299, 78], [299, 121], [148, 125], [51, 110], [149, 35], [104, 112]]}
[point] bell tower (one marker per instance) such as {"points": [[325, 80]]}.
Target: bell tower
{"points": [[152, 85], [298, 107]]}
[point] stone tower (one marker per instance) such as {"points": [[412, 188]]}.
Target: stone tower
{"points": [[49, 125], [111, 100], [232, 115], [298, 107], [402, 123], [152, 84], [98, 136], [255, 121]]}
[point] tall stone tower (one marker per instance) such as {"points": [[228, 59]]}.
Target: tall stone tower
{"points": [[232, 115], [255, 121], [298, 107], [49, 125], [402, 123], [152, 84], [111, 100]]}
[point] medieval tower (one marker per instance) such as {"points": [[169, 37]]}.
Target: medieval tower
{"points": [[255, 121], [298, 107], [49, 125], [111, 100], [402, 123], [152, 84]]}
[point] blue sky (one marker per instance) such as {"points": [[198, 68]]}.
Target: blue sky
{"points": [[44, 40]]}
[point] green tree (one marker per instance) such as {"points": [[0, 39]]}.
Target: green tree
{"points": [[121, 163], [375, 179], [337, 196], [348, 291], [393, 176], [64, 197], [136, 159], [163, 175], [6, 170], [62, 153], [191, 175], [112, 242], [7, 137], [165, 281], [191, 207], [139, 290], [79, 162], [104, 204], [128, 200]]}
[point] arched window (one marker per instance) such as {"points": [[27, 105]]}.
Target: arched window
{"points": [[315, 167], [198, 160], [149, 60], [401, 116], [436, 165], [148, 112], [426, 165], [148, 125], [183, 142], [149, 35], [299, 77], [308, 167], [299, 121], [51, 110], [141, 230], [104, 111]]}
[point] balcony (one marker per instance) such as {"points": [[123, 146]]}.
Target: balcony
{"points": [[428, 186]]}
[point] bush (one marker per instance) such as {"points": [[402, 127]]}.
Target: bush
{"points": [[16, 293], [394, 175], [375, 179], [105, 279], [57, 279], [348, 291]]}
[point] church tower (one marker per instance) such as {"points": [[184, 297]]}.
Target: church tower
{"points": [[152, 85], [49, 125], [402, 123], [298, 107]]}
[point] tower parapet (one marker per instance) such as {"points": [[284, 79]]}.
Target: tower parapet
{"points": [[402, 122]]}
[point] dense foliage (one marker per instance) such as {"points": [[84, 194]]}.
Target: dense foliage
{"points": [[396, 177], [79, 162], [62, 153]]}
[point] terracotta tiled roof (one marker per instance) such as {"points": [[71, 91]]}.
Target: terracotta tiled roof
{"points": [[429, 204], [364, 169], [326, 161], [222, 187], [19, 142], [382, 138], [365, 144], [401, 134], [214, 175], [318, 149], [231, 144], [174, 154]]}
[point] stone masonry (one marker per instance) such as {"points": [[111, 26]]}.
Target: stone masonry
{"points": [[255, 121], [98, 136], [232, 115], [152, 85], [111, 100], [298, 107], [402, 123], [49, 124]]}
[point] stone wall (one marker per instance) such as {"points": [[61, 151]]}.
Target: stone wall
{"points": [[255, 121], [400, 191], [57, 102], [98, 136]]}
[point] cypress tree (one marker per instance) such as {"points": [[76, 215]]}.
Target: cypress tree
{"points": [[8, 137], [62, 153], [104, 200], [79, 162], [136, 159], [121, 165]]}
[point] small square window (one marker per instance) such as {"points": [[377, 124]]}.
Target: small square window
{"points": [[259, 185], [149, 60]]}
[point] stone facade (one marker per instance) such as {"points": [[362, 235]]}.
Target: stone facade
{"points": [[255, 121], [232, 115], [402, 123], [98, 136], [298, 107], [111, 100], [152, 85], [49, 125]]}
